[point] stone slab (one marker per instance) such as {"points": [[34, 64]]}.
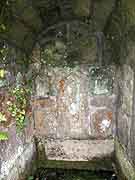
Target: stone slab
{"points": [[78, 150]]}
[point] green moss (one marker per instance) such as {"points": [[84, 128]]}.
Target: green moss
{"points": [[2, 117], [97, 164], [58, 55], [129, 7], [120, 30], [116, 34], [60, 174], [88, 43], [81, 8], [3, 136], [124, 167]]}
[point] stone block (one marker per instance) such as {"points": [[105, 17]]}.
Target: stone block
{"points": [[123, 129], [25, 163], [20, 165], [13, 174], [45, 114], [12, 153], [104, 101], [101, 80], [102, 122], [78, 150]]}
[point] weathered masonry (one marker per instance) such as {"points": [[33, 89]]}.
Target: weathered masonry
{"points": [[82, 77], [76, 122]]}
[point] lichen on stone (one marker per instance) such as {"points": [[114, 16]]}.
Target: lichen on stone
{"points": [[101, 80]]}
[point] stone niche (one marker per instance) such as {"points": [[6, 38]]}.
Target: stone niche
{"points": [[74, 99]]}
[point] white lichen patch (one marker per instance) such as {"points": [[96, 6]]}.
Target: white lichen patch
{"points": [[69, 89], [73, 108], [104, 125], [17, 161], [7, 165]]}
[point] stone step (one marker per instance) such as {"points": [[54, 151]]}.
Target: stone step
{"points": [[78, 150], [76, 154]]}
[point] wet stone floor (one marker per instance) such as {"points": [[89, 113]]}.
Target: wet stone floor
{"points": [[46, 174]]}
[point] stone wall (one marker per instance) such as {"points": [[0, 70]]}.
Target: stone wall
{"points": [[17, 154], [125, 125], [73, 103], [34, 17], [77, 112], [75, 107], [125, 111]]}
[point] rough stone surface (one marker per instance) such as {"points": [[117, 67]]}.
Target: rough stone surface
{"points": [[30, 18], [102, 10], [71, 123], [17, 153], [125, 124], [129, 7], [125, 168], [82, 8], [64, 108], [125, 110], [66, 111], [19, 165], [69, 110], [74, 150]]}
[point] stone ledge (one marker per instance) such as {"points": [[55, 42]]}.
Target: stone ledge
{"points": [[78, 150], [77, 154]]}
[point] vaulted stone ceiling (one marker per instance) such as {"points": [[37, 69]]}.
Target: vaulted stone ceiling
{"points": [[29, 18]]}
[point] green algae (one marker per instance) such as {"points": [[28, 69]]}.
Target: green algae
{"points": [[59, 174], [93, 165]]}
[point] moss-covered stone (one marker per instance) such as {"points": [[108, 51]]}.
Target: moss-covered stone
{"points": [[125, 168], [120, 30], [96, 164], [82, 8], [62, 174], [129, 7]]}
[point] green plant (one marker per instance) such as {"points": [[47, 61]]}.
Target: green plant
{"points": [[4, 51], [18, 108], [54, 55], [2, 117], [2, 73], [3, 136]]}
